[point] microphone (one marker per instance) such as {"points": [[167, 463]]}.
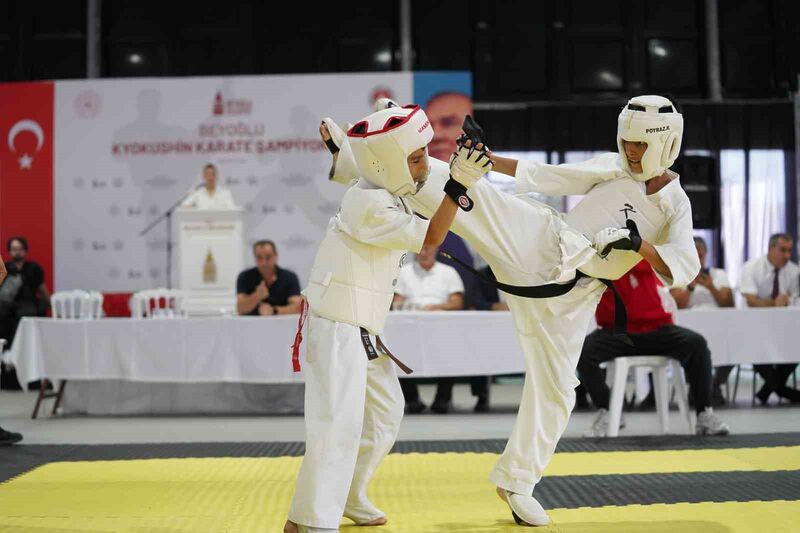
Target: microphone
{"points": [[193, 188]]}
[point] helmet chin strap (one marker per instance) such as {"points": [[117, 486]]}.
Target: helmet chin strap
{"points": [[421, 183]]}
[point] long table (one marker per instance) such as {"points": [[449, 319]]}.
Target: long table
{"points": [[255, 350]]}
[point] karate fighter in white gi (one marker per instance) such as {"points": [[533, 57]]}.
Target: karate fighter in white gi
{"points": [[527, 243], [353, 401]]}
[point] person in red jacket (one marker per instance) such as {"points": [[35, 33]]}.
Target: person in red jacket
{"points": [[653, 332]]}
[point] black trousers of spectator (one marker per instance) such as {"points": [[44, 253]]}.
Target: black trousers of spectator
{"points": [[776, 377], [11, 314], [685, 345], [479, 385]]}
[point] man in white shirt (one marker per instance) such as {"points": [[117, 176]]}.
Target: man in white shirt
{"points": [[210, 195], [710, 289], [428, 285], [773, 281]]}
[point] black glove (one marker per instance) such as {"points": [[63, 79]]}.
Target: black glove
{"points": [[632, 242], [454, 189]]}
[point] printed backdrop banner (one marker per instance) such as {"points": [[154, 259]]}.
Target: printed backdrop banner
{"points": [[126, 150]]}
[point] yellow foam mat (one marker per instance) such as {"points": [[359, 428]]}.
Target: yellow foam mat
{"points": [[419, 493]]}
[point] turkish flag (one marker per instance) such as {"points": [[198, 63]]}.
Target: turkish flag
{"points": [[26, 169]]}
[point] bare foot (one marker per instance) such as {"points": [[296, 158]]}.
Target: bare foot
{"points": [[326, 136], [323, 131], [377, 522], [290, 527], [501, 494]]}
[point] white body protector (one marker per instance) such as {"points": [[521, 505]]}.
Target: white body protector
{"points": [[359, 260], [357, 265]]}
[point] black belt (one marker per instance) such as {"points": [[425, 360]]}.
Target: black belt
{"points": [[372, 353], [552, 290]]}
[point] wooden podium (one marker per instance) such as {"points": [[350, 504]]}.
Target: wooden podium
{"points": [[211, 255]]}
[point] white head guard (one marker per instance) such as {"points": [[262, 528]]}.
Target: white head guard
{"points": [[654, 120], [382, 142]]}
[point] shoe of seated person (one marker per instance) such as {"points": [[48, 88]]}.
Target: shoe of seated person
{"points": [[482, 405], [440, 407], [793, 395], [709, 424], [8, 438], [600, 425], [415, 407]]}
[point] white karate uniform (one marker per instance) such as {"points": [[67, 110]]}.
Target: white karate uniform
{"points": [[528, 243], [353, 406]]}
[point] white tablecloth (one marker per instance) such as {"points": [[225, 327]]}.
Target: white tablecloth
{"points": [[735, 336], [248, 349], [257, 350]]}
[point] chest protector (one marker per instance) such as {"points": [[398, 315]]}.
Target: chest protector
{"points": [[353, 282]]}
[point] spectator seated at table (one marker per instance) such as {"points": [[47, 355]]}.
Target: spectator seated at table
{"points": [[473, 299], [653, 332], [710, 289], [427, 285], [24, 292], [267, 289], [773, 281], [6, 437]]}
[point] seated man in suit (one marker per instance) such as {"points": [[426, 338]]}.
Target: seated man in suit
{"points": [[773, 280]]}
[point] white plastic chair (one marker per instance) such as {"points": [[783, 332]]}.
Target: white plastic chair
{"points": [[619, 368], [77, 304], [157, 303]]}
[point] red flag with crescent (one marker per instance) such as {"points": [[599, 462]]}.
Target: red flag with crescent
{"points": [[26, 169]]}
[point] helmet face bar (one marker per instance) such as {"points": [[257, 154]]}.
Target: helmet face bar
{"points": [[653, 120], [382, 142]]}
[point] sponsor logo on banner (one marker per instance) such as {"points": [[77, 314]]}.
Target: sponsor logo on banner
{"points": [[381, 92], [88, 104], [234, 106], [297, 241]]}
